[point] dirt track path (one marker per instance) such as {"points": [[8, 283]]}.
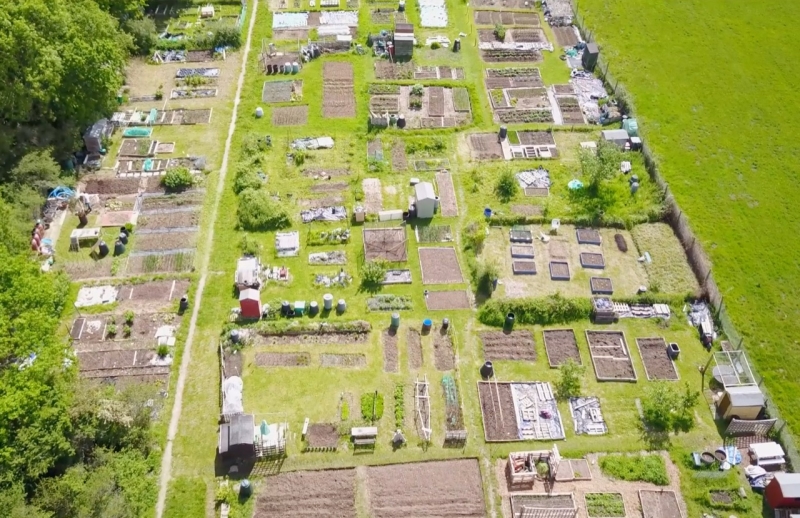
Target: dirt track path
{"points": [[166, 461]]}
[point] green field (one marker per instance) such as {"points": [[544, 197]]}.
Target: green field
{"points": [[718, 108]]}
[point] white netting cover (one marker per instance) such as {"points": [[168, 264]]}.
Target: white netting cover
{"points": [[232, 395]]}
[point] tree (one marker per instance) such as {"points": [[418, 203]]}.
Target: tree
{"points": [[668, 407], [56, 77], [569, 383], [259, 211], [144, 34], [123, 10], [373, 273], [177, 179], [506, 186]]}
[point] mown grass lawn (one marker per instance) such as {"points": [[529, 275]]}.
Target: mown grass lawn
{"points": [[718, 106]]}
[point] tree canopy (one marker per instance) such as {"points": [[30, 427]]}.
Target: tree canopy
{"points": [[61, 63]]}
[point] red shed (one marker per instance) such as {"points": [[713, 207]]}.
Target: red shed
{"points": [[783, 491], [250, 303]]}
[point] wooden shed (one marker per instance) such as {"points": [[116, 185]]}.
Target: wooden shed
{"points": [[250, 303], [741, 402], [783, 491]]}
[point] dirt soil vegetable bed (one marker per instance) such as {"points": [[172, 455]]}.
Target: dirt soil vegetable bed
{"points": [[389, 339], [443, 356], [105, 186], [440, 266], [447, 195], [388, 244], [184, 219], [601, 286], [166, 262], [659, 504], [442, 300], [611, 356], [290, 115], [131, 295], [165, 241], [426, 489], [308, 493], [414, 346], [561, 346], [485, 146], [657, 363], [497, 409], [516, 345], [283, 359], [511, 55], [322, 436], [313, 338]]}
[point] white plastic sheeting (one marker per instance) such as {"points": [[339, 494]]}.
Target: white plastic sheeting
{"points": [[432, 13], [333, 30], [232, 400], [339, 18], [289, 20]]}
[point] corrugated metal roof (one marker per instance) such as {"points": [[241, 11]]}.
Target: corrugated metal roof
{"points": [[746, 396], [424, 191], [790, 484]]}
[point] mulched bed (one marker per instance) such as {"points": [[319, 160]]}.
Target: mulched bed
{"points": [[390, 353], [657, 363], [440, 266], [590, 260], [515, 345], [611, 356], [588, 236], [183, 219], [388, 244], [536, 138], [387, 70], [384, 104], [308, 493], [570, 110], [165, 241], [448, 205], [105, 186], [322, 436], [436, 101], [342, 360], [290, 115], [414, 346], [622, 245], [601, 286], [561, 345], [443, 355], [283, 359], [497, 409], [442, 300], [522, 251], [660, 504], [485, 146], [523, 267], [399, 159], [559, 271]]}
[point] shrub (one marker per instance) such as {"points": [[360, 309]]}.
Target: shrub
{"points": [[668, 407], [299, 157], [552, 309], [126, 330], [373, 272], [417, 90], [367, 406], [474, 236], [435, 45], [483, 275], [500, 32], [506, 186], [162, 351], [345, 411], [129, 228], [569, 384], [250, 246], [246, 178], [636, 468], [225, 494], [177, 179], [143, 33], [258, 211], [111, 330], [128, 315], [227, 36]]}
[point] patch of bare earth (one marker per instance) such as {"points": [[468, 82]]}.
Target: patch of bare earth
{"points": [[426, 489], [308, 493], [447, 195], [440, 266], [443, 355], [390, 360], [414, 346], [516, 345], [322, 436], [442, 300], [497, 409], [561, 346]]}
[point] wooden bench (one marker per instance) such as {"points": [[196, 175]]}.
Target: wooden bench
{"points": [[364, 436]]}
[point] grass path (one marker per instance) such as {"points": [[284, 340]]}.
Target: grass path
{"points": [[166, 461]]}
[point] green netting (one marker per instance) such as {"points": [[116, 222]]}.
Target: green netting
{"points": [[137, 132]]}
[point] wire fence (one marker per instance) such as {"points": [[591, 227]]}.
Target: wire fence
{"points": [[698, 259]]}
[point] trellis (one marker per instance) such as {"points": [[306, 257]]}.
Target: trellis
{"points": [[422, 404]]}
